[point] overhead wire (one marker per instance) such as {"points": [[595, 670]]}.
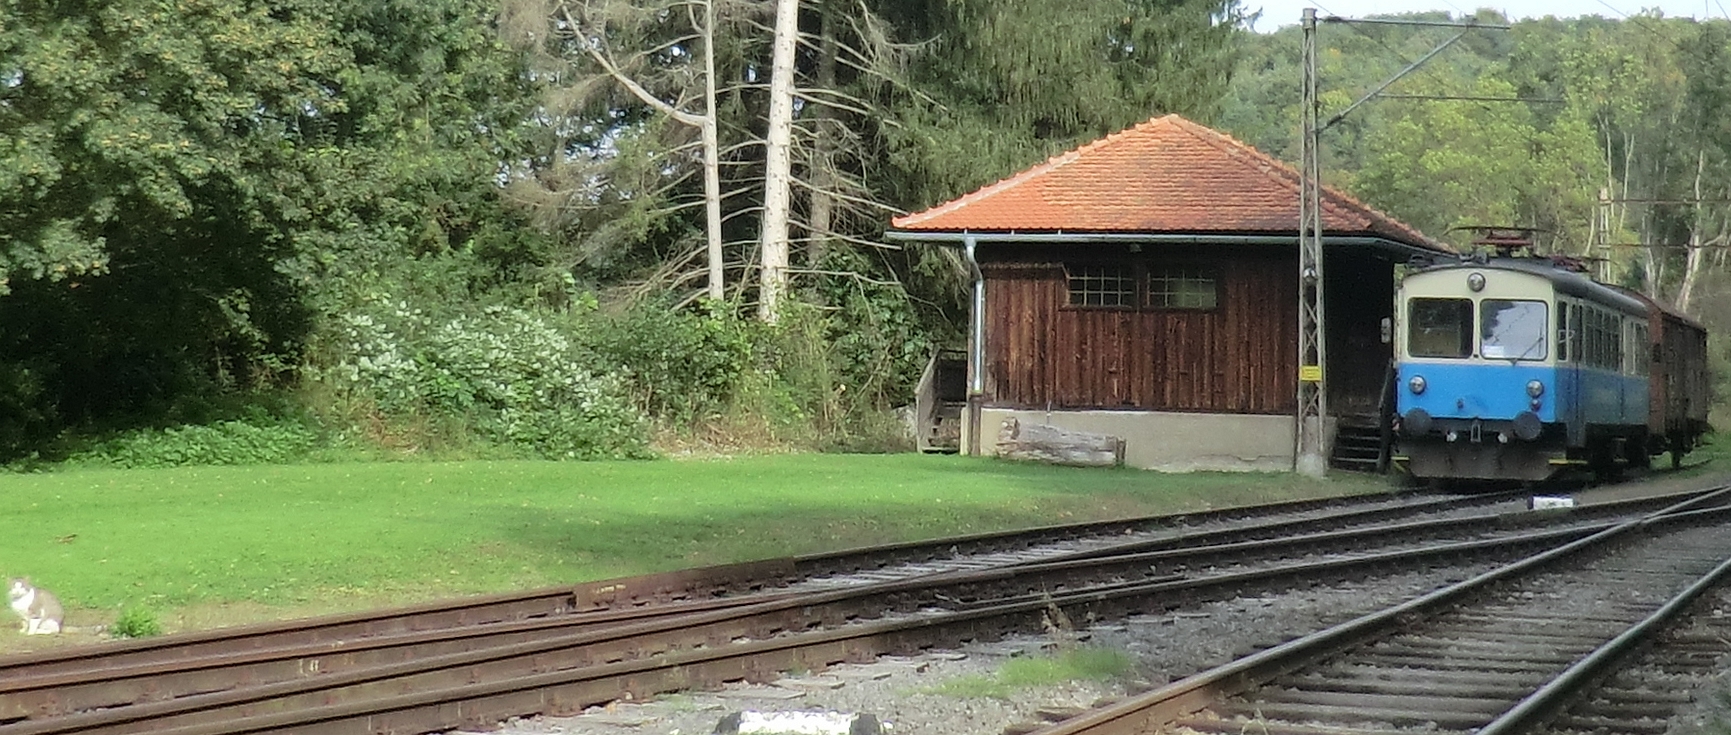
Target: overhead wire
{"points": [[1435, 75], [1640, 22]]}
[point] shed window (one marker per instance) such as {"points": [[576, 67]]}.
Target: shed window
{"points": [[1178, 287], [1101, 285]]}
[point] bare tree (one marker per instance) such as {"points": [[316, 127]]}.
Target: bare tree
{"points": [[782, 152], [1694, 258], [820, 164], [840, 205], [593, 41], [711, 158], [778, 161], [585, 28]]}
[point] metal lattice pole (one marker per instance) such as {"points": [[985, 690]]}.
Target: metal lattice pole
{"points": [[1311, 455], [1311, 435]]}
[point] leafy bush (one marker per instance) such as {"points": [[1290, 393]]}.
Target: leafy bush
{"points": [[135, 622], [682, 365], [26, 411], [873, 334], [255, 440], [838, 378], [585, 385], [507, 374]]}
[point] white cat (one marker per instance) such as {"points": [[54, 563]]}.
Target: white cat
{"points": [[39, 608]]}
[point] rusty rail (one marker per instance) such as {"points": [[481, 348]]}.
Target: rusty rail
{"points": [[566, 673], [54, 692]]}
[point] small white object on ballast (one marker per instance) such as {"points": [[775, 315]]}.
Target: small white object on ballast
{"points": [[1547, 502], [799, 723]]}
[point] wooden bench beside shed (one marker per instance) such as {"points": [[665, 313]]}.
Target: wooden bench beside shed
{"points": [[1145, 286]]}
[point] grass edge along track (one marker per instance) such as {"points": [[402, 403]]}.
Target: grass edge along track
{"points": [[430, 706], [678, 585]]}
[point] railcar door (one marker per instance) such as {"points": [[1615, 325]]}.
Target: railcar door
{"points": [[1569, 376]]}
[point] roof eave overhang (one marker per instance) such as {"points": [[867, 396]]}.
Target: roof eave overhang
{"points": [[1380, 242]]}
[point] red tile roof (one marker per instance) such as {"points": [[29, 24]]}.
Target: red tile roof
{"points": [[1166, 175]]}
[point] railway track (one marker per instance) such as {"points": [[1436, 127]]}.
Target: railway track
{"points": [[409, 683], [1659, 684], [1505, 652]]}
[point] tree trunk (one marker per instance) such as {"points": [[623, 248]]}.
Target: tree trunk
{"points": [[711, 159], [822, 221], [1628, 173], [1610, 174], [1655, 265], [705, 123], [1692, 256], [778, 167], [1050, 444]]}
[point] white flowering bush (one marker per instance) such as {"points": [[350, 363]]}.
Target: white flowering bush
{"points": [[513, 377]]}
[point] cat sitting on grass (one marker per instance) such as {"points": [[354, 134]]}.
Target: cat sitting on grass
{"points": [[38, 607]]}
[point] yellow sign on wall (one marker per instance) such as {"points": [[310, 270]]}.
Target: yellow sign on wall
{"points": [[1310, 373]]}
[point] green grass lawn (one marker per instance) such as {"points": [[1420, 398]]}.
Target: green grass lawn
{"points": [[218, 545]]}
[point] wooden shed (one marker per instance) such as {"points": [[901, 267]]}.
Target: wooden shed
{"points": [[1145, 285]]}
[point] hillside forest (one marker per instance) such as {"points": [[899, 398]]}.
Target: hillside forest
{"points": [[281, 230]]}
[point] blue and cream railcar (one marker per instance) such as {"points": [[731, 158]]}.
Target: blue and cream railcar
{"points": [[1510, 368]]}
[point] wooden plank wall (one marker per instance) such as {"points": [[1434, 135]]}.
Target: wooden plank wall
{"points": [[1237, 358], [1680, 385]]}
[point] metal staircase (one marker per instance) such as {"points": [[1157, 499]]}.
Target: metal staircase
{"points": [[1364, 443], [1359, 447]]}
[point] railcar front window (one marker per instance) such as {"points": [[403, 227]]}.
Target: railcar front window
{"points": [[1512, 330], [1440, 328]]}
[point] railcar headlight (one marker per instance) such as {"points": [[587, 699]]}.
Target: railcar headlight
{"points": [[1416, 384], [1535, 388], [1476, 281]]}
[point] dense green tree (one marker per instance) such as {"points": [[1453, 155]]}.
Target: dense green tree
{"points": [[1261, 105], [999, 86], [1706, 61], [1618, 146], [1441, 165], [189, 184], [901, 104]]}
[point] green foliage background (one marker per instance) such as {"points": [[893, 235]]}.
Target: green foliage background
{"points": [[1545, 119], [248, 232], [278, 229]]}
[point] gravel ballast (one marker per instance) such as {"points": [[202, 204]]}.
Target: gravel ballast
{"points": [[900, 690]]}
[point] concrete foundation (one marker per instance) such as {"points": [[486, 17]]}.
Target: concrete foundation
{"points": [[1166, 441]]}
